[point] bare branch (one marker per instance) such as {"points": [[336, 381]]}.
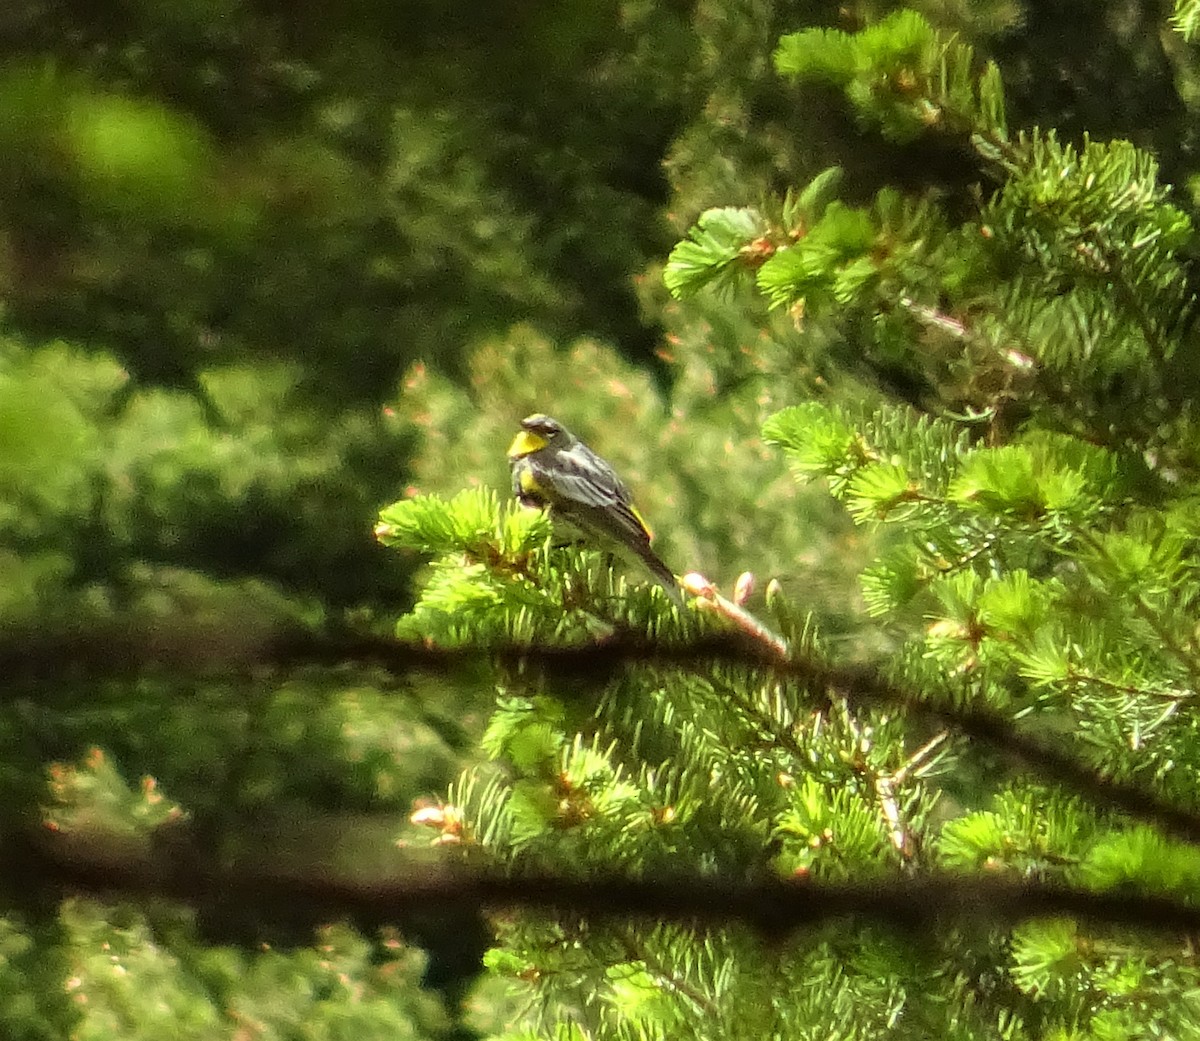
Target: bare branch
{"points": [[66, 864]]}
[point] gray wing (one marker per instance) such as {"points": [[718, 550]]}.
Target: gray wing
{"points": [[586, 485], [582, 476], [588, 492]]}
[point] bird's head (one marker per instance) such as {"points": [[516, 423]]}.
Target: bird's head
{"points": [[538, 432]]}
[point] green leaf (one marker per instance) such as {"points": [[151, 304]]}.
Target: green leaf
{"points": [[505, 962], [813, 265], [815, 439], [806, 206], [715, 243], [472, 522], [1186, 19], [822, 54], [533, 807], [991, 101], [1048, 660], [904, 39], [1046, 956], [893, 582], [877, 489], [640, 997], [999, 480], [967, 843], [1143, 859], [1015, 604]]}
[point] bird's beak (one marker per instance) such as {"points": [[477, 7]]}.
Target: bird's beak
{"points": [[526, 442]]}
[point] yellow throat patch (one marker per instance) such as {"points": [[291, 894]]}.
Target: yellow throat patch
{"points": [[526, 443]]}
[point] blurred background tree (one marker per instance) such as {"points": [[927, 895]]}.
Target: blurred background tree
{"points": [[265, 266]]}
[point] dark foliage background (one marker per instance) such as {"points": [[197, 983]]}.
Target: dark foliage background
{"points": [[266, 267]]}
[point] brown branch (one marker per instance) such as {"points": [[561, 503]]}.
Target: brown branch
{"points": [[62, 865], [124, 650]]}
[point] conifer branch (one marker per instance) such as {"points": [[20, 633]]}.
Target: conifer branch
{"points": [[988, 543], [59, 865], [1181, 652], [1134, 302], [636, 951], [1082, 678], [935, 319], [885, 792], [779, 733], [221, 650], [886, 786]]}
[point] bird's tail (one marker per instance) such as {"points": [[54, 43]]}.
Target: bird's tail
{"points": [[665, 576]]}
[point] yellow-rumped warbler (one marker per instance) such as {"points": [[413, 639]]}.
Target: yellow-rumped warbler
{"points": [[552, 468]]}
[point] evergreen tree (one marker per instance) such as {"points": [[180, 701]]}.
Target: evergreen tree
{"points": [[1030, 484], [247, 220]]}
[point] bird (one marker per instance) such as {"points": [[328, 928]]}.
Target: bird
{"points": [[552, 469]]}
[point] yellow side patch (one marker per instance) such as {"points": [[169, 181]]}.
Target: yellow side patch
{"points": [[524, 443], [529, 483]]}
